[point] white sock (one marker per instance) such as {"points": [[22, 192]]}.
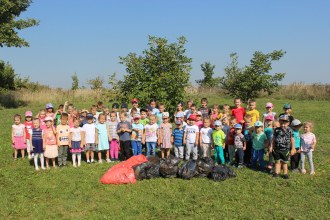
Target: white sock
{"points": [[74, 159], [79, 159], [42, 160], [36, 161]]}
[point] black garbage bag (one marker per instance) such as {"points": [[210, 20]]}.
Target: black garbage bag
{"points": [[221, 172], [152, 169], [139, 171], [204, 167], [229, 171], [169, 167], [188, 170]]}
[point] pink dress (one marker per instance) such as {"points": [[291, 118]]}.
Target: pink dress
{"points": [[50, 142], [42, 122], [165, 130], [19, 137]]}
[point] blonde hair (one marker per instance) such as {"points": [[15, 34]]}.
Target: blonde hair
{"points": [[153, 116], [309, 124]]}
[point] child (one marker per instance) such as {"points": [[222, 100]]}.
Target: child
{"points": [[137, 131], [192, 111], [28, 129], [205, 138], [37, 145], [199, 120], [150, 135], [153, 104], [259, 141], [268, 130], [82, 117], [179, 108], [177, 139], [282, 143], [99, 107], [240, 145], [58, 114], [124, 130], [295, 158], [95, 114], [225, 112], [269, 112], [204, 109], [215, 113], [90, 139], [308, 143], [238, 112], [18, 136], [287, 111], [231, 141], [165, 131], [189, 103], [42, 117], [76, 136], [62, 137], [103, 135], [115, 108], [248, 130], [218, 137], [124, 108], [159, 114], [252, 111], [114, 143], [135, 104], [49, 142], [106, 112], [190, 139], [50, 110], [180, 117], [143, 114], [131, 115]]}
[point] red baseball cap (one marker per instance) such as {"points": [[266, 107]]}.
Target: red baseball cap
{"points": [[135, 100], [192, 117]]}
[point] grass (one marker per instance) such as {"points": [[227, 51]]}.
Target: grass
{"points": [[76, 192]]}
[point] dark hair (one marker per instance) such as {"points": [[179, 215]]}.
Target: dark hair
{"points": [[143, 110], [61, 106], [64, 114], [17, 116], [193, 105], [204, 100], [153, 100], [99, 103], [101, 115]]}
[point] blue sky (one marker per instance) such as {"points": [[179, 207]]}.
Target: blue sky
{"points": [[88, 36]]}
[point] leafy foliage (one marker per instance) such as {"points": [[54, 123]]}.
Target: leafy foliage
{"points": [[96, 83], [162, 73], [9, 11], [75, 82], [208, 81], [7, 76], [249, 81]]}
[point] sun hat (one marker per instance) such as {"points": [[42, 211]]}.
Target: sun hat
{"points": [[135, 100], [258, 124], [178, 122], [295, 122], [115, 105], [165, 115], [238, 126], [49, 105], [217, 123], [89, 116], [199, 113], [269, 117], [179, 115], [192, 117], [269, 105], [284, 118], [136, 116], [287, 106], [48, 119], [28, 114]]}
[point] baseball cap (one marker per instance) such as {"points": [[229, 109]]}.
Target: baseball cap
{"points": [[258, 124], [166, 115], [48, 119], [269, 117], [199, 113], [115, 105], [135, 100], [192, 118], [284, 118], [28, 114], [217, 123], [89, 116], [178, 122], [49, 105], [287, 106], [179, 115], [124, 105], [238, 126], [295, 122], [269, 105], [136, 116]]}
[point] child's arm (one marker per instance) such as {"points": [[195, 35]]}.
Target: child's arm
{"points": [[160, 136], [200, 139], [108, 132], [314, 143], [65, 106], [143, 136], [83, 140], [12, 136], [24, 135], [96, 136], [43, 141], [172, 139], [57, 137], [184, 138], [197, 138], [70, 138]]}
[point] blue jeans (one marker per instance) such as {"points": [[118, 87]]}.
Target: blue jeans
{"points": [[218, 155], [151, 146], [137, 147], [258, 155]]}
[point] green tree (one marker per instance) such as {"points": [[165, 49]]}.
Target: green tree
{"points": [[10, 10], [161, 73], [75, 82], [96, 83], [208, 81], [249, 81], [7, 76]]}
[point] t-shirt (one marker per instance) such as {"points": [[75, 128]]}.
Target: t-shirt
{"points": [[76, 133], [269, 133], [199, 124], [28, 129], [89, 130], [231, 135], [254, 115], [62, 132], [296, 137], [144, 121], [151, 132], [137, 136], [159, 118], [124, 136], [178, 136], [307, 140], [205, 111], [206, 135], [239, 141], [113, 129], [155, 111], [282, 138], [18, 130], [191, 132], [259, 140], [238, 113], [247, 135], [218, 137]]}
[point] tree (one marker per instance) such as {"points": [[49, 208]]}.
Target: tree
{"points": [[161, 73], [96, 83], [247, 82], [208, 81], [75, 82], [9, 11], [7, 76]]}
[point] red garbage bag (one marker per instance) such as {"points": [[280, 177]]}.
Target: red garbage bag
{"points": [[123, 172]]}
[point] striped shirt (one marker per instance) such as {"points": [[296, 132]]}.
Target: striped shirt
{"points": [[178, 136], [36, 134]]}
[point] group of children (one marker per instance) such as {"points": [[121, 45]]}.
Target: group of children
{"points": [[236, 136]]}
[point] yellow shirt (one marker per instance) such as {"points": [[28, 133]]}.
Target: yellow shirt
{"points": [[254, 114]]}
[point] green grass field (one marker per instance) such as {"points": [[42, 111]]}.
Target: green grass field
{"points": [[76, 192]]}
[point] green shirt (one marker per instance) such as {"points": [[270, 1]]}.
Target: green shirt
{"points": [[259, 140], [218, 137], [144, 121]]}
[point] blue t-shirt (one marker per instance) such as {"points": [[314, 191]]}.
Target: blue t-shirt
{"points": [[247, 135], [259, 140], [159, 118], [269, 133], [124, 136], [178, 136], [296, 136], [138, 135]]}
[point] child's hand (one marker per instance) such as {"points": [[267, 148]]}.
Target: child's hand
{"points": [[270, 149], [293, 151], [244, 148]]}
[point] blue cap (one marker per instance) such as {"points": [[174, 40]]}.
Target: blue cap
{"points": [[49, 105], [89, 116], [217, 123], [238, 126], [179, 115], [287, 106], [258, 124]]}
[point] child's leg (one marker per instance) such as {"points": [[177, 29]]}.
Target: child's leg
{"points": [[107, 154], [134, 147], [79, 159], [181, 151], [42, 161], [139, 148], [216, 154], [285, 168], [271, 161], [302, 162], [277, 167], [176, 151], [47, 162], [168, 152], [188, 150], [23, 153], [261, 159], [74, 159], [240, 153], [59, 158], [53, 160], [195, 151], [221, 155], [87, 155], [162, 152], [254, 158], [28, 148], [116, 150], [65, 154], [231, 151], [310, 161], [92, 155], [127, 148], [15, 154], [36, 161], [99, 155]]}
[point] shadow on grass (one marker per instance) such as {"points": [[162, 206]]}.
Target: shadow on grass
{"points": [[9, 100]]}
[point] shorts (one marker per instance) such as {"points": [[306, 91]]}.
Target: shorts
{"points": [[281, 155], [90, 147]]}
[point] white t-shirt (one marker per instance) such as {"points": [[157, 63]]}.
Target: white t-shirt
{"points": [[151, 132], [89, 130], [206, 135], [191, 132], [76, 134]]}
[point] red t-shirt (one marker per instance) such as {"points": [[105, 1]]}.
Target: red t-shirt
{"points": [[28, 128], [231, 136], [238, 113]]}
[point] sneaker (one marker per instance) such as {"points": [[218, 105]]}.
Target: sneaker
{"points": [[275, 175], [92, 161], [79, 164], [295, 171], [100, 161], [240, 166], [303, 171], [43, 168], [88, 161], [109, 161], [312, 172], [74, 165], [285, 176], [37, 168]]}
